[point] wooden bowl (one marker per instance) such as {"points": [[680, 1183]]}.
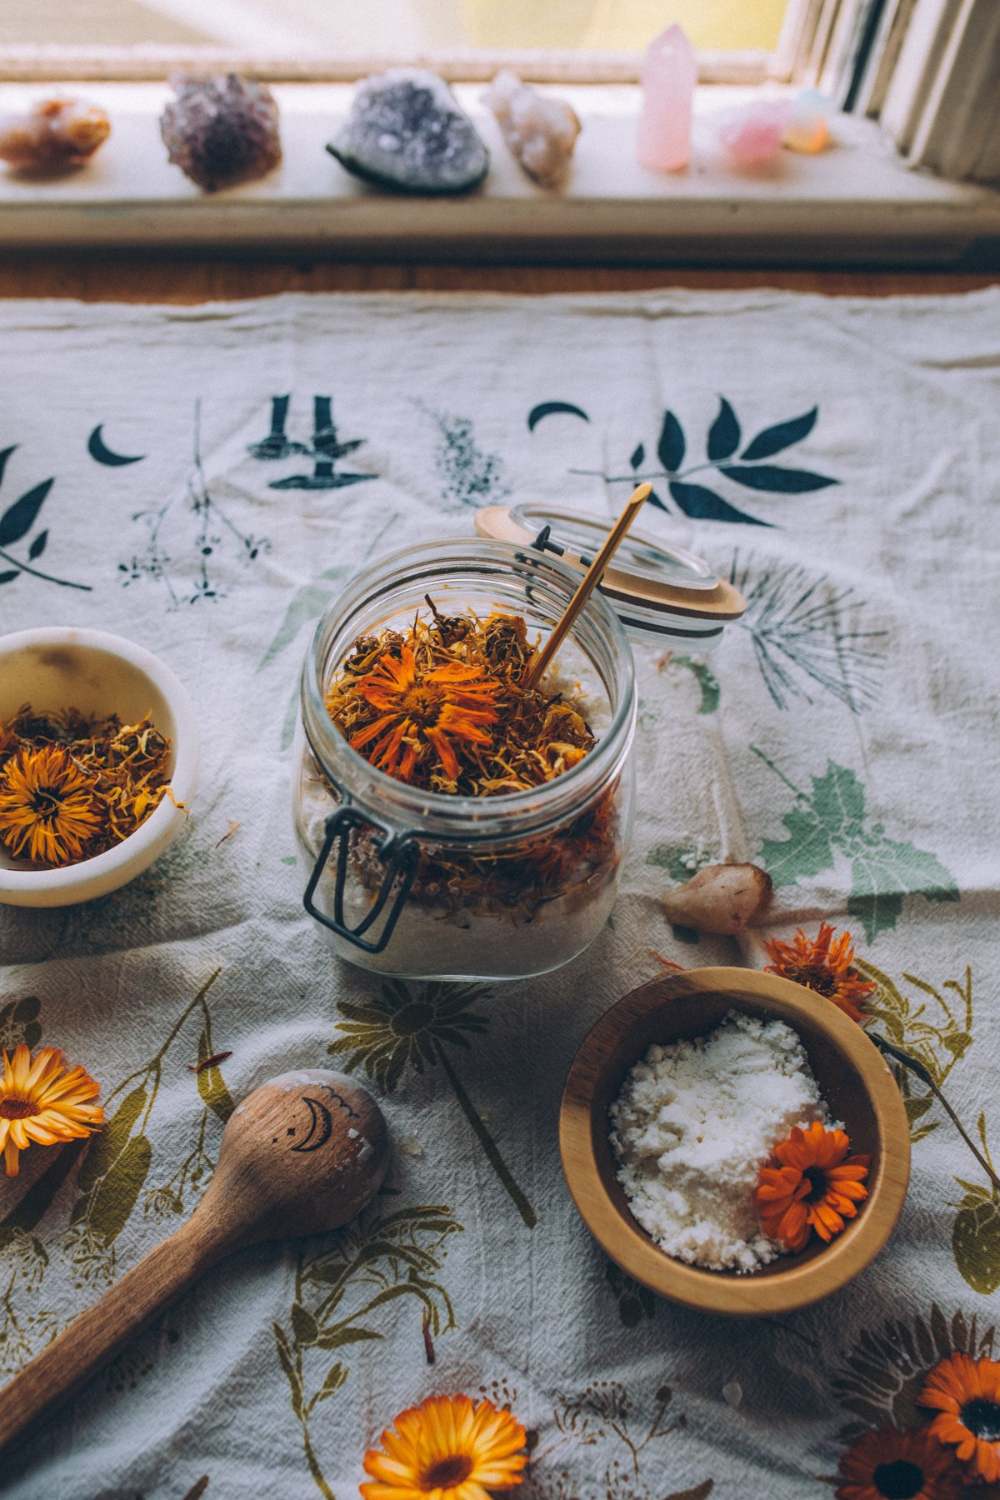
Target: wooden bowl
{"points": [[852, 1077]]}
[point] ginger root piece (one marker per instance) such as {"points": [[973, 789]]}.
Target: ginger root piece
{"points": [[720, 899]]}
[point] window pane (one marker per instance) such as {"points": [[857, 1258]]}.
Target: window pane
{"points": [[304, 27]]}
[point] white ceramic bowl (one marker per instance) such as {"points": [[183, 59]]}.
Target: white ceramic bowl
{"points": [[99, 674]]}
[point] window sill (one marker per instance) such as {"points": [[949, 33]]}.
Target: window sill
{"points": [[853, 203]]}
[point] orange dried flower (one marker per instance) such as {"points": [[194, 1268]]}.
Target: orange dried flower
{"points": [[447, 1449], [822, 965], [423, 709], [48, 809], [814, 1186], [966, 1395], [893, 1465], [43, 1101]]}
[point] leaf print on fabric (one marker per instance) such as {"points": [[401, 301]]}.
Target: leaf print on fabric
{"points": [[635, 1302], [379, 1260], [620, 1433], [467, 474], [308, 603], [16, 521], [703, 675], [401, 1029], [796, 620], [114, 1171], [19, 1023], [211, 533], [975, 1235], [937, 1036], [831, 820], [880, 1379], [698, 501]]}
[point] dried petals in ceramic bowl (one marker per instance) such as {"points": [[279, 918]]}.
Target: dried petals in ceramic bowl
{"points": [[57, 669]]}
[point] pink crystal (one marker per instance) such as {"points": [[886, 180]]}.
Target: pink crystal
{"points": [[753, 134], [669, 74]]}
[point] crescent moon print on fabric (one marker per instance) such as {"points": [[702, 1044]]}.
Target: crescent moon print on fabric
{"points": [[99, 450], [550, 409], [320, 1126]]}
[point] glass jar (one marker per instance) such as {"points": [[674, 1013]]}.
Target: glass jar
{"points": [[419, 884]]}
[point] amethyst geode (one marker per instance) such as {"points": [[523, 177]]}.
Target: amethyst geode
{"points": [[221, 130]]}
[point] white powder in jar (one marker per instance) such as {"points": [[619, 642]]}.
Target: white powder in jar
{"points": [[692, 1126]]}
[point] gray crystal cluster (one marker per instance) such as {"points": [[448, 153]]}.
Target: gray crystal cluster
{"points": [[221, 130], [407, 132]]}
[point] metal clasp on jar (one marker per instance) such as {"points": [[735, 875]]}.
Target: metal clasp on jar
{"points": [[399, 853]]}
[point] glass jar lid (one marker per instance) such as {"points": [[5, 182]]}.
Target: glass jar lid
{"points": [[657, 591]]}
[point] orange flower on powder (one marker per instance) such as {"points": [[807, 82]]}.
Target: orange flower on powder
{"points": [[893, 1465], [814, 1186], [822, 965], [965, 1392], [43, 1101], [447, 1449], [424, 709]]}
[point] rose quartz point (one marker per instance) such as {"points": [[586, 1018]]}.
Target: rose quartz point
{"points": [[669, 75]]}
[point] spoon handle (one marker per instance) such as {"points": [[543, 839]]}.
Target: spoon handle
{"points": [[94, 1338]]}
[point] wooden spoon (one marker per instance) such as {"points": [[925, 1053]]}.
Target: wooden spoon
{"points": [[301, 1155]]}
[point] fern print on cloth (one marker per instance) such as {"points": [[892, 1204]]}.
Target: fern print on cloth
{"points": [[205, 481]]}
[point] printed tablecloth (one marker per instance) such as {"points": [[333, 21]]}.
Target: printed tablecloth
{"points": [[202, 480]]}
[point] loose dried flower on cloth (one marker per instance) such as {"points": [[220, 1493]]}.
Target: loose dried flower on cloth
{"points": [[447, 1448], [824, 963], [444, 708], [43, 1101], [71, 788]]}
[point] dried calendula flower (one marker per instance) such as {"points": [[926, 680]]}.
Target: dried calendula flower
{"points": [[54, 135], [445, 707], [69, 788]]}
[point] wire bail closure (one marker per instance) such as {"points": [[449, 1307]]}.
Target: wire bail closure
{"points": [[399, 853]]}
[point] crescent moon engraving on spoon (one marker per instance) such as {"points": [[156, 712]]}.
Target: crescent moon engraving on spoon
{"points": [[99, 450], [320, 1125]]}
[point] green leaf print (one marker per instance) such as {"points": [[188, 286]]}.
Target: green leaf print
{"points": [[975, 1235], [377, 1260], [210, 1083], [118, 1190], [831, 819], [107, 1147]]}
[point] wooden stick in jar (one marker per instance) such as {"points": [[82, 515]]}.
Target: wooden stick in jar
{"points": [[588, 584]]}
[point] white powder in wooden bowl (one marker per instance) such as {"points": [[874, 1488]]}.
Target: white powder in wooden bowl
{"points": [[692, 1126]]}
